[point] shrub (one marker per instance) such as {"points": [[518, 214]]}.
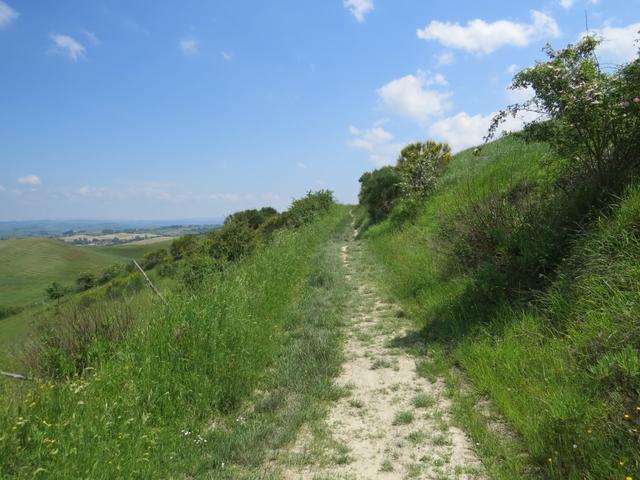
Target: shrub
{"points": [[183, 247], [85, 281], [586, 114], [379, 191], [154, 258], [9, 310], [420, 165]]}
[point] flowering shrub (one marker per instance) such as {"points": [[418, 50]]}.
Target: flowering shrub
{"points": [[420, 166], [587, 114]]}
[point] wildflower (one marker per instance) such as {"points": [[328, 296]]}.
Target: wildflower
{"points": [[627, 416], [575, 446], [629, 478], [621, 462], [589, 431], [636, 100]]}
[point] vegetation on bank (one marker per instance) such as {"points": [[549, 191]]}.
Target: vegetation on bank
{"points": [[521, 267], [152, 389]]}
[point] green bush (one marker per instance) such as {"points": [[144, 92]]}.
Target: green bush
{"points": [[379, 191]]}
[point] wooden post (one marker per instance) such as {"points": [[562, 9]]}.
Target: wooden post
{"points": [[153, 287]]}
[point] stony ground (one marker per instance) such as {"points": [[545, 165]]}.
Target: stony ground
{"points": [[390, 422]]}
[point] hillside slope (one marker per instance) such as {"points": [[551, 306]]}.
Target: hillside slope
{"points": [[28, 265], [535, 299]]}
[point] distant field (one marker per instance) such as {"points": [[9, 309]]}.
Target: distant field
{"points": [[28, 265]]}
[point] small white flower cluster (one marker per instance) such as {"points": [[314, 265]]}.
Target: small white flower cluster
{"points": [[198, 440]]}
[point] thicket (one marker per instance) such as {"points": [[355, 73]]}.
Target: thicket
{"points": [[522, 264]]}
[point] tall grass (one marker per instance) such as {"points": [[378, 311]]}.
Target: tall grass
{"points": [[171, 395], [544, 319]]}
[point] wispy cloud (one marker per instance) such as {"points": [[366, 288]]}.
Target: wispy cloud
{"points": [[301, 165], [188, 45], [567, 4], [91, 36], [32, 180], [2, 189], [7, 15], [359, 8], [227, 56], [68, 47], [444, 58], [481, 37], [381, 145]]}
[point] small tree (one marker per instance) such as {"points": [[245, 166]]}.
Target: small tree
{"points": [[55, 291], [588, 115], [420, 165], [85, 281]]}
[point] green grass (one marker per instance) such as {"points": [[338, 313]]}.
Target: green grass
{"points": [[203, 387], [28, 265], [557, 351]]}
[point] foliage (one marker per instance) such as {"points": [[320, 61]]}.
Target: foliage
{"points": [[154, 258], [588, 115], [168, 400], [85, 281], [420, 165], [55, 291], [183, 247], [8, 311], [254, 218], [536, 312], [308, 208], [379, 191]]}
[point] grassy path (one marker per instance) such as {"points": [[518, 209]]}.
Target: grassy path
{"points": [[390, 422]]}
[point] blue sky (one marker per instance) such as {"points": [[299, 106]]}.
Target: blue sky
{"points": [[147, 110]]}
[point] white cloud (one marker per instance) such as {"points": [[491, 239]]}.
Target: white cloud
{"points": [[84, 190], [2, 189], [91, 36], [300, 165], [358, 8], [566, 4], [513, 69], [7, 15], [480, 37], [32, 180], [409, 96], [618, 44], [228, 56], [381, 145], [463, 130], [68, 47], [188, 45], [445, 58]]}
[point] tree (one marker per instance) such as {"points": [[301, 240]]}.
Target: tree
{"points": [[588, 115], [420, 165], [55, 291], [379, 191]]}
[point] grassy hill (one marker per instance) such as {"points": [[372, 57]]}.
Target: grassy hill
{"points": [[534, 293], [28, 265]]}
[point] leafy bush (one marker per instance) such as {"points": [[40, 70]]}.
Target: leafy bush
{"points": [[85, 281], [420, 165], [588, 115], [154, 258], [379, 191], [183, 247]]}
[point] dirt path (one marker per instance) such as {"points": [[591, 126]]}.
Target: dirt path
{"points": [[390, 423]]}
